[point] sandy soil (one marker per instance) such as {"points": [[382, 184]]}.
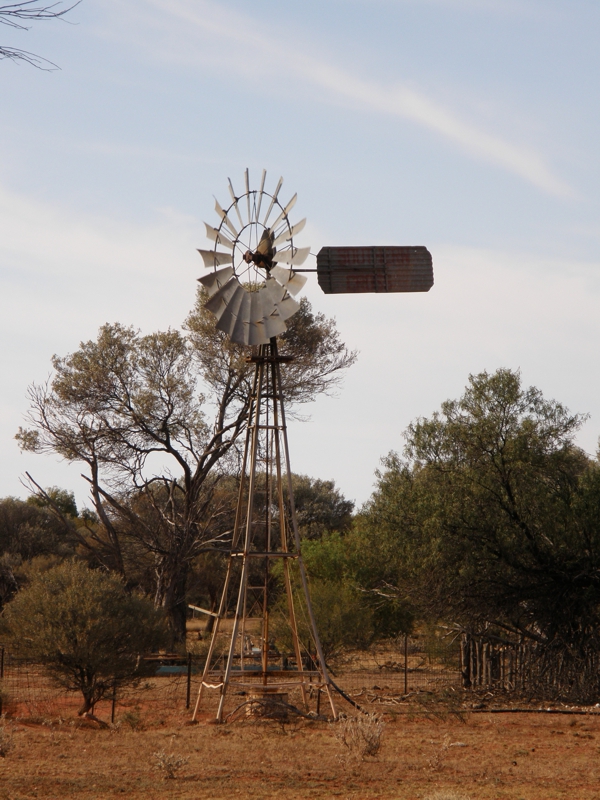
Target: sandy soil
{"points": [[525, 755]]}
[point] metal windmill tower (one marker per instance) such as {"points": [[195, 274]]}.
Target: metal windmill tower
{"points": [[251, 291]]}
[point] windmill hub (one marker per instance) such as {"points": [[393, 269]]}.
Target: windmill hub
{"points": [[265, 252], [258, 259]]}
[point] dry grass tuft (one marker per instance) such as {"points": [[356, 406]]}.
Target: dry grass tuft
{"points": [[436, 762], [360, 736], [133, 719], [168, 763]]}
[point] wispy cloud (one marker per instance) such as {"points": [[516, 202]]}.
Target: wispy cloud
{"points": [[404, 102], [204, 31], [505, 8]]}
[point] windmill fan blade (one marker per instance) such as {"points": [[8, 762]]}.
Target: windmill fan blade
{"points": [[213, 258], [218, 236], [225, 218], [286, 277], [241, 329], [296, 255], [220, 299], [263, 304], [256, 334], [273, 200], [274, 293], [271, 295], [295, 283], [247, 180], [285, 211], [288, 307], [228, 318], [213, 282], [234, 198], [260, 193], [274, 325], [289, 233]]}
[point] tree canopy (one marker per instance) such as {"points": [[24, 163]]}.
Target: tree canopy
{"points": [[320, 507], [29, 528]]}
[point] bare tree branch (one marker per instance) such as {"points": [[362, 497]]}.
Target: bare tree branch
{"points": [[34, 487], [14, 14]]}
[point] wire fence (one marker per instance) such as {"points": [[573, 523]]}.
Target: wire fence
{"points": [[408, 672], [407, 665], [168, 683], [27, 690]]}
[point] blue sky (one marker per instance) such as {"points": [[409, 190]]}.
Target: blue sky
{"points": [[468, 126]]}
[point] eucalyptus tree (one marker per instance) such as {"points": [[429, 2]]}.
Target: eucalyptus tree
{"points": [[155, 421]]}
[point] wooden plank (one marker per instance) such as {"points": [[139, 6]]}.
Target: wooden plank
{"points": [[203, 610]]}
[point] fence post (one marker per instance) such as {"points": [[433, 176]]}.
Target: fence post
{"points": [[485, 663], [406, 663], [1, 674], [189, 680], [465, 660], [113, 704]]}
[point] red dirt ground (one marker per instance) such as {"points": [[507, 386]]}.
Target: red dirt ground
{"points": [[523, 756]]}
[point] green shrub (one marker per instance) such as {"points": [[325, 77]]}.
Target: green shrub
{"points": [[85, 628]]}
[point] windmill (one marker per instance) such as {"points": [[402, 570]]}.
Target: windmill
{"points": [[254, 277]]}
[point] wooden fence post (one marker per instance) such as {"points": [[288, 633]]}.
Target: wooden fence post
{"points": [[484, 663], [465, 660], [1, 673], [113, 704], [189, 680]]}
